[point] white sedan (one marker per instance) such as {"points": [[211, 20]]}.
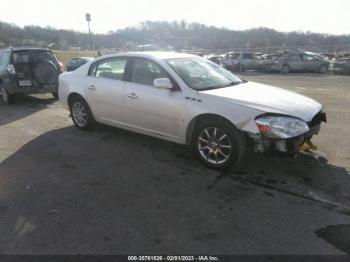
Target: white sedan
{"points": [[189, 100]]}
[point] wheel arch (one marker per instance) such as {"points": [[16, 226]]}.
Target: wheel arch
{"points": [[194, 121], [75, 94]]}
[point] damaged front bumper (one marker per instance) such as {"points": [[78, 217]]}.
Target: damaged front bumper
{"points": [[264, 144]]}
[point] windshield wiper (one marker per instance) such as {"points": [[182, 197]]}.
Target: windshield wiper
{"points": [[232, 84]]}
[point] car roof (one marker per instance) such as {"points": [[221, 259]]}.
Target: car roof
{"points": [[153, 54], [25, 49]]}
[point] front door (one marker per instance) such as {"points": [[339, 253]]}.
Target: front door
{"points": [[310, 63], [150, 109], [295, 62]]}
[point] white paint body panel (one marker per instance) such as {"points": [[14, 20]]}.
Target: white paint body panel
{"points": [[269, 99], [167, 114]]}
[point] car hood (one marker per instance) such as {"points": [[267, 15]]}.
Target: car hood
{"points": [[268, 99]]}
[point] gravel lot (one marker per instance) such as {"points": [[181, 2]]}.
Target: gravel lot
{"points": [[63, 191]]}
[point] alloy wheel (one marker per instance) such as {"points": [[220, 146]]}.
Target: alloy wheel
{"points": [[79, 114], [214, 145]]}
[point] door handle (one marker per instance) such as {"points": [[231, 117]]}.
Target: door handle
{"points": [[132, 96], [92, 88]]}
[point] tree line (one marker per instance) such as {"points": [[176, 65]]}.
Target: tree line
{"points": [[179, 35]]}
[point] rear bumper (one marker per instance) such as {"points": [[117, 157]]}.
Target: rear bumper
{"points": [[13, 88]]}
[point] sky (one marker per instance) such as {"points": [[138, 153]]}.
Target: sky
{"points": [[320, 16]]}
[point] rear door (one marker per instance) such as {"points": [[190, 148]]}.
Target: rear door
{"points": [[149, 109], [105, 87]]}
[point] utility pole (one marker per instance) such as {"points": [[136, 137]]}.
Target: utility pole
{"points": [[88, 20]]}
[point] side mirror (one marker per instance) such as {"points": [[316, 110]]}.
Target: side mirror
{"points": [[163, 83]]}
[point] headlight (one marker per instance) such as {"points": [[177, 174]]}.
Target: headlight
{"points": [[281, 126]]}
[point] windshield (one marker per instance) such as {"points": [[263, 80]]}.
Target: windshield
{"points": [[202, 74]]}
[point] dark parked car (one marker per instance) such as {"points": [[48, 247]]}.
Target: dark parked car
{"points": [[77, 62], [28, 71], [301, 62]]}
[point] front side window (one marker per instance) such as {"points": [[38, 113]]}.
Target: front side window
{"points": [[309, 58], [295, 58], [144, 72], [113, 68], [247, 56], [202, 74], [234, 55]]}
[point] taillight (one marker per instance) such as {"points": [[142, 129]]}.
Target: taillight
{"points": [[61, 66], [11, 69]]}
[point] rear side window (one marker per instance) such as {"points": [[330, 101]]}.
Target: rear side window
{"points": [[309, 58], [112, 68], [5, 56]]}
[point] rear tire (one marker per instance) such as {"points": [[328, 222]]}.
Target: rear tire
{"points": [[6, 97], [81, 114], [218, 144]]}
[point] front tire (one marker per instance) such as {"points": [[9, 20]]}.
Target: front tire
{"points": [[323, 69], [218, 144], [6, 97], [81, 114], [285, 69]]}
